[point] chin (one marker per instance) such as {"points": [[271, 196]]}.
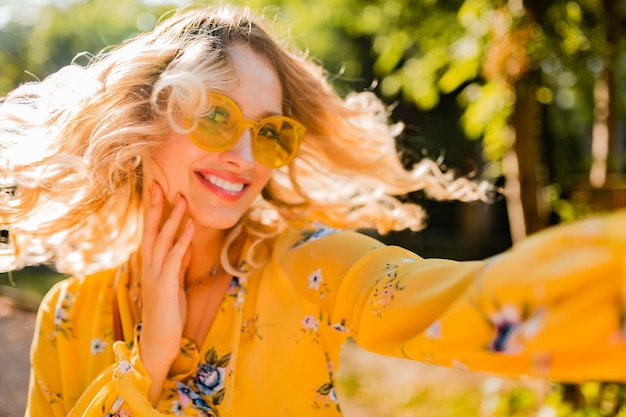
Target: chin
{"points": [[216, 222]]}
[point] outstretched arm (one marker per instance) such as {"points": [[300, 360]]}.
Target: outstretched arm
{"points": [[553, 307]]}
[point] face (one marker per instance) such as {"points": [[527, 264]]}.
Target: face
{"points": [[221, 186]]}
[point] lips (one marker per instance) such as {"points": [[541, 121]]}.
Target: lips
{"points": [[221, 184], [225, 185]]}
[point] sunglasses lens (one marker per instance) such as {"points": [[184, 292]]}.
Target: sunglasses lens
{"points": [[216, 129], [277, 141]]}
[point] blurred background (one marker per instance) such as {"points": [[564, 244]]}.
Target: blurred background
{"points": [[526, 94]]}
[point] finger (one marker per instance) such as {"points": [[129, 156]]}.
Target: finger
{"points": [[151, 222], [176, 260], [184, 265], [165, 238]]}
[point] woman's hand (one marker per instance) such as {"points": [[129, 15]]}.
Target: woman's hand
{"points": [[164, 261]]}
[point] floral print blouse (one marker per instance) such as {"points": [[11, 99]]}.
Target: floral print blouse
{"points": [[553, 307]]}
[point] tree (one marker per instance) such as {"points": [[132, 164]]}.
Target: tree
{"points": [[40, 43], [523, 72], [508, 63]]}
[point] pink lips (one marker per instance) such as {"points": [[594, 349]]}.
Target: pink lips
{"points": [[223, 184]]}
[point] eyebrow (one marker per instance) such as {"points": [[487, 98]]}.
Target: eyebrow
{"points": [[269, 114], [263, 115]]}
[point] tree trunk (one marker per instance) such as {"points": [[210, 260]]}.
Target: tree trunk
{"points": [[601, 132], [606, 157], [525, 170]]}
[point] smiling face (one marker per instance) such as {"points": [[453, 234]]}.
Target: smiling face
{"points": [[221, 186]]}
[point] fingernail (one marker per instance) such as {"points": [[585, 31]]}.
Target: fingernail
{"points": [[153, 191], [189, 226]]}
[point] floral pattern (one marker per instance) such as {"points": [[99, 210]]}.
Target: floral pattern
{"points": [[209, 379], [310, 323], [434, 330], [341, 326], [317, 233], [250, 327], [309, 328], [326, 396], [309, 301], [386, 289], [118, 409], [50, 396], [188, 397], [98, 346], [124, 367], [316, 282], [63, 324], [512, 328]]}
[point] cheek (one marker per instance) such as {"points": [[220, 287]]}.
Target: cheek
{"points": [[171, 161], [264, 174]]}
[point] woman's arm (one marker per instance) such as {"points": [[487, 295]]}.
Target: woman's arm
{"points": [[553, 306], [77, 368], [46, 397]]}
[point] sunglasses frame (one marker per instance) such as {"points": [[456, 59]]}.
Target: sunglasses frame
{"points": [[254, 125]]}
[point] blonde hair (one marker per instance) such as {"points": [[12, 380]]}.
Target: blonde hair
{"points": [[73, 146]]}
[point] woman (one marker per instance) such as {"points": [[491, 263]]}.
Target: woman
{"points": [[194, 181]]}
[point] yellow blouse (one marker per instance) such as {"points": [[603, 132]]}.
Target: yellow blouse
{"points": [[553, 307]]}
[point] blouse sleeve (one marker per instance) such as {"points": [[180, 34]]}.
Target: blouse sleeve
{"points": [[552, 307], [77, 367], [45, 393]]}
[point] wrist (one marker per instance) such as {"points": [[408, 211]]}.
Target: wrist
{"points": [[157, 366]]}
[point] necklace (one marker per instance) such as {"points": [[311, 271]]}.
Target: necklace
{"points": [[204, 306], [200, 282]]}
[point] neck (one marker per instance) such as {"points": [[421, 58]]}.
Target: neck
{"points": [[206, 249]]}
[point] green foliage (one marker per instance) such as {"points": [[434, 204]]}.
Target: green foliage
{"points": [[414, 51], [34, 47], [488, 107], [28, 286], [417, 51], [13, 41], [517, 402], [593, 399]]}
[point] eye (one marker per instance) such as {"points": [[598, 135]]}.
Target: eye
{"points": [[269, 131], [218, 116]]}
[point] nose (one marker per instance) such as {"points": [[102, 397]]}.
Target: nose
{"points": [[241, 155]]}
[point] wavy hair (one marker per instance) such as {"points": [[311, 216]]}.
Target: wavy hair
{"points": [[73, 146]]}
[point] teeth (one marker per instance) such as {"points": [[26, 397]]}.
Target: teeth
{"points": [[225, 185]]}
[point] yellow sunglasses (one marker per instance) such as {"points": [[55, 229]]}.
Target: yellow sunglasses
{"points": [[275, 139]]}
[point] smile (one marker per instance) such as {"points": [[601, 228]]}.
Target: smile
{"points": [[233, 187]]}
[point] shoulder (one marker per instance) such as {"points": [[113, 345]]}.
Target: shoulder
{"points": [[63, 294], [311, 246], [319, 237]]}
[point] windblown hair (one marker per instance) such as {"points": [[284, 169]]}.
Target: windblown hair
{"points": [[73, 146]]}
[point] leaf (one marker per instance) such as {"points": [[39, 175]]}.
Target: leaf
{"points": [[223, 362], [326, 388], [218, 397], [211, 356]]}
